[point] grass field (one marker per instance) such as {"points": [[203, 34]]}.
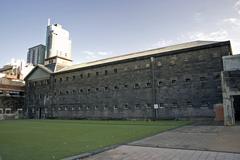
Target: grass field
{"points": [[56, 139]]}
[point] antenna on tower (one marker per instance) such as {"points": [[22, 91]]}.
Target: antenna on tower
{"points": [[48, 21]]}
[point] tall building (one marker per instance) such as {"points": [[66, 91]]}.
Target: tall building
{"points": [[36, 54], [58, 47]]}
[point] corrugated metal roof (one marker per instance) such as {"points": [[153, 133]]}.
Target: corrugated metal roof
{"points": [[140, 54]]}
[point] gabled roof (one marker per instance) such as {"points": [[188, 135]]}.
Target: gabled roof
{"points": [[38, 66], [163, 50]]}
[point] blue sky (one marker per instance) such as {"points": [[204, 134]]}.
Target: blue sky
{"points": [[104, 28]]}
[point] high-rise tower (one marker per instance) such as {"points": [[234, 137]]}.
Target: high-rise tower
{"points": [[58, 47]]}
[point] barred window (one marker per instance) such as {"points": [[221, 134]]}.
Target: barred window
{"points": [[160, 83], [137, 106], [148, 84], [105, 72], [187, 80], [136, 85], [126, 106], [174, 81]]}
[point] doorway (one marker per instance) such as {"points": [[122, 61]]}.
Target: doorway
{"points": [[236, 105]]}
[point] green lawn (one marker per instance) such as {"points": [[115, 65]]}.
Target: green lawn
{"points": [[56, 139]]}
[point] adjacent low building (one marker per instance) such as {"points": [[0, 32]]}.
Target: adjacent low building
{"points": [[11, 98], [231, 89], [179, 81]]}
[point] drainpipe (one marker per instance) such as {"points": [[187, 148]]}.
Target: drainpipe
{"points": [[154, 98]]}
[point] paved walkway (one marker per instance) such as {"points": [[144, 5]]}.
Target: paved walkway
{"points": [[210, 138], [186, 143], [126, 152]]}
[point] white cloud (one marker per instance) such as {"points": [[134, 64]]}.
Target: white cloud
{"points": [[87, 56], [235, 22], [95, 54], [220, 35], [162, 43], [237, 6]]}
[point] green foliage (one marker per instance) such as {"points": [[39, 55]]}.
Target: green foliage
{"points": [[56, 139]]}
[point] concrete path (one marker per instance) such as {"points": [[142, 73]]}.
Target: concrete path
{"points": [[186, 143], [210, 138], [126, 152]]}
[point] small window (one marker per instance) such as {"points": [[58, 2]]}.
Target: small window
{"points": [[125, 86], [147, 65], [105, 107], [67, 92], [73, 77], [88, 75], [189, 104], [97, 89], [73, 91], [73, 108], [60, 79], [87, 107], [105, 72], [96, 107], [97, 73], [148, 84], [126, 106], [115, 70], [88, 89], [116, 87], [59, 108], [115, 107], [1, 111], [67, 78], [106, 88], [81, 90], [81, 75], [136, 85], [187, 80], [137, 106], [174, 81], [160, 83]]}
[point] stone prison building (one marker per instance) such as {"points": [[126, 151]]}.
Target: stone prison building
{"points": [[174, 82]]}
